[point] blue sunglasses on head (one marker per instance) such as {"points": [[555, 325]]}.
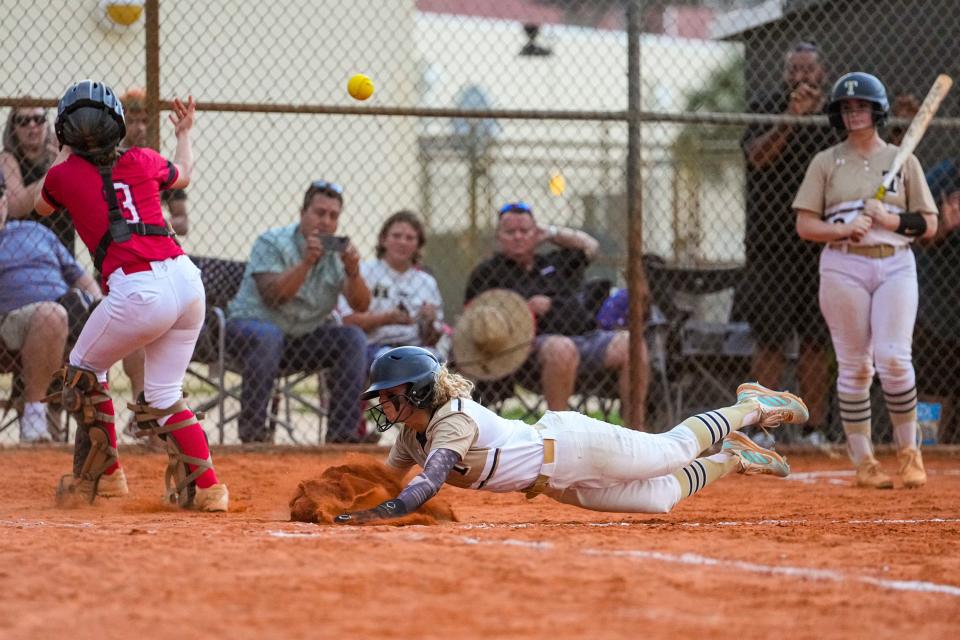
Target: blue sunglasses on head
{"points": [[515, 207], [323, 185]]}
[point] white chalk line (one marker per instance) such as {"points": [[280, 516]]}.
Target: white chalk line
{"points": [[693, 559], [44, 524]]}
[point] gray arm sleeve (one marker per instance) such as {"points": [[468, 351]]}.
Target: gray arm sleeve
{"points": [[428, 482]]}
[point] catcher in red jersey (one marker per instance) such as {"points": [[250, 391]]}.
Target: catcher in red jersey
{"points": [[155, 298]]}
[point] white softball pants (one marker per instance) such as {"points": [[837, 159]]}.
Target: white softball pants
{"points": [[603, 467], [870, 306], [160, 310]]}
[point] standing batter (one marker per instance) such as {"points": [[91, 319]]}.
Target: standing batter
{"points": [[155, 299], [868, 276], [568, 456]]}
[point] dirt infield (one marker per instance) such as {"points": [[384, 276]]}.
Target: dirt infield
{"points": [[806, 557]]}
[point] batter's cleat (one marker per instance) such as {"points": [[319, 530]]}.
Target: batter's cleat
{"points": [[871, 476], [911, 468], [113, 485], [776, 407], [213, 498], [752, 459]]}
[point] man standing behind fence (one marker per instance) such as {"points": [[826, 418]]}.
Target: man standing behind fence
{"points": [[777, 261], [280, 317]]}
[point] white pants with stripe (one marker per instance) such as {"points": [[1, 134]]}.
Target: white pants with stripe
{"points": [[604, 467], [160, 310]]}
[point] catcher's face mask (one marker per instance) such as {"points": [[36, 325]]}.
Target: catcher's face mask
{"points": [[394, 407]]}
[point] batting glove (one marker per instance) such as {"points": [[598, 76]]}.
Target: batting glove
{"points": [[383, 511]]}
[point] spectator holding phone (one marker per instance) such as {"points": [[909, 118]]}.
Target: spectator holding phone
{"points": [[280, 318], [406, 308]]}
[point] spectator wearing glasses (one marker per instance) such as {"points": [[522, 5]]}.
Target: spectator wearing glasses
{"points": [[35, 272], [568, 346], [280, 318], [29, 148]]}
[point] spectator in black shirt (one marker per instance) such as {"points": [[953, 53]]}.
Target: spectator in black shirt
{"points": [[568, 346], [777, 260]]}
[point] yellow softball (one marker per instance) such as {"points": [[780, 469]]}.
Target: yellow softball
{"points": [[360, 87]]}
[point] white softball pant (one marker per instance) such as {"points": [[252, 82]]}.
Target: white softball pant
{"points": [[160, 310], [870, 306], [603, 467]]}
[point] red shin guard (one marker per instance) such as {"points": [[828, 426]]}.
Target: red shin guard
{"points": [[193, 442]]}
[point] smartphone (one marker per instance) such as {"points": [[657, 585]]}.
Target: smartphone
{"points": [[335, 243]]}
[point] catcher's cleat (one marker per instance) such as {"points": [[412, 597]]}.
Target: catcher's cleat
{"points": [[911, 468], [752, 459], [871, 476], [213, 498], [776, 407], [113, 485]]}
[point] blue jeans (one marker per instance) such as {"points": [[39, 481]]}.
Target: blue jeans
{"points": [[264, 352]]}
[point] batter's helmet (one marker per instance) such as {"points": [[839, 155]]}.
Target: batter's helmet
{"points": [[405, 365], [90, 118], [859, 86]]}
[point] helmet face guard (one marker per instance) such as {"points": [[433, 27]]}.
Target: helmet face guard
{"points": [[413, 368], [858, 86], [94, 95]]}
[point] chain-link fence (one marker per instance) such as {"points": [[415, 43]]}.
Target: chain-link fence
{"points": [[500, 135]]}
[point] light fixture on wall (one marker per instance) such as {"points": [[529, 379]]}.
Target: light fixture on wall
{"points": [[532, 49], [120, 14]]}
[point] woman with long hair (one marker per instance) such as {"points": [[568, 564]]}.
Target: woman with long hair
{"points": [[29, 149], [567, 456]]}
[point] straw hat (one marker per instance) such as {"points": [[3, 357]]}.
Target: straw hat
{"points": [[494, 335]]}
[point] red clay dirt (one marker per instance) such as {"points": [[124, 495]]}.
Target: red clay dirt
{"points": [[750, 557]]}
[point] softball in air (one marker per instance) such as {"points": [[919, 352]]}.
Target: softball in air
{"points": [[360, 87]]}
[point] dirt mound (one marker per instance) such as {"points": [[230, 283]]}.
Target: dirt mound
{"points": [[362, 482]]}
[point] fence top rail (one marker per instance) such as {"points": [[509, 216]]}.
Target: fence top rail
{"points": [[695, 117]]}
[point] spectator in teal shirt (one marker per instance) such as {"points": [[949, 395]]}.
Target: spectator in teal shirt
{"points": [[281, 316]]}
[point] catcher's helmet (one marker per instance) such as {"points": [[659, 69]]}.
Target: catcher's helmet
{"points": [[90, 118], [415, 366], [858, 86]]}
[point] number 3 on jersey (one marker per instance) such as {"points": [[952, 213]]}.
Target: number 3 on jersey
{"points": [[125, 196]]}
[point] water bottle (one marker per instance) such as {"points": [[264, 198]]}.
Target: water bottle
{"points": [[928, 419]]}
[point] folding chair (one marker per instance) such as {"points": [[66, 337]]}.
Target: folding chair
{"points": [[221, 281], [706, 354]]}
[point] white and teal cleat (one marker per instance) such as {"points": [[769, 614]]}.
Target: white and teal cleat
{"points": [[752, 459], [776, 407]]}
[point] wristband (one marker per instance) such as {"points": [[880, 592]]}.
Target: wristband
{"points": [[552, 232], [912, 224]]}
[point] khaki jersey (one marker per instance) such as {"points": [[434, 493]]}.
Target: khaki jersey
{"points": [[496, 454], [839, 180]]}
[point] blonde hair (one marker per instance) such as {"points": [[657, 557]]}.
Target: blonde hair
{"points": [[450, 385]]}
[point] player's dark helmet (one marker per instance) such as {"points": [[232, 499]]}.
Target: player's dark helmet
{"points": [[413, 366], [90, 119], [858, 86]]}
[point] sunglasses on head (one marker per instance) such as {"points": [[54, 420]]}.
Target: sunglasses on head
{"points": [[515, 207], [22, 121], [323, 185]]}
